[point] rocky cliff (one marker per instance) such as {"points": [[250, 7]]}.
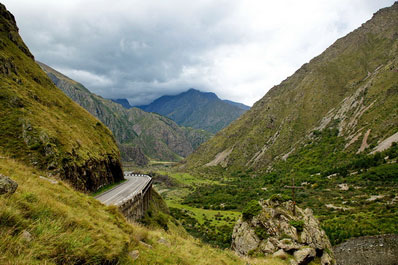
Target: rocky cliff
{"points": [[41, 126], [270, 228], [141, 135]]}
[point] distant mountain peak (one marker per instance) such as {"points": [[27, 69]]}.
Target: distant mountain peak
{"points": [[197, 109], [122, 101]]}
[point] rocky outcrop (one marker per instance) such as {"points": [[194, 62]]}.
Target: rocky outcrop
{"points": [[276, 231], [93, 174], [133, 154], [7, 185], [368, 250]]}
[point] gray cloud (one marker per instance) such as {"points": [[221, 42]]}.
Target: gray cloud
{"points": [[144, 49]]}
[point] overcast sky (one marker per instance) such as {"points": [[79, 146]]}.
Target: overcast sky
{"points": [[143, 49]]}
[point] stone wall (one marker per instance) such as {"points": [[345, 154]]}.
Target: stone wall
{"points": [[135, 207], [368, 250]]}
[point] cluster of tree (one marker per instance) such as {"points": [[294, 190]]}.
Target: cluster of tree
{"points": [[219, 236]]}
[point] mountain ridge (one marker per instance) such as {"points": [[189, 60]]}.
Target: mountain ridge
{"points": [[307, 101], [122, 101], [196, 109], [141, 135]]}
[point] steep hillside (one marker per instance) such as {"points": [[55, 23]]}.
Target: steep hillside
{"points": [[239, 105], [351, 87], [50, 223], [122, 101], [41, 126], [138, 133], [196, 109], [330, 128]]}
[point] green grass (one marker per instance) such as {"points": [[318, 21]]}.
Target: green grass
{"points": [[312, 167], [69, 227], [201, 215], [41, 126]]}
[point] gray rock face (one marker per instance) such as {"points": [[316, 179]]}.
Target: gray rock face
{"points": [[7, 185], [368, 250], [275, 231], [244, 239], [304, 256]]}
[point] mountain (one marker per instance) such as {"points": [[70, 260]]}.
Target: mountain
{"points": [[140, 135], [237, 104], [331, 129], [196, 109], [351, 87], [42, 127], [46, 221], [122, 101]]}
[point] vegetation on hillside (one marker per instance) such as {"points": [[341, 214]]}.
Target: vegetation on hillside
{"points": [[196, 109], [140, 135], [352, 194], [352, 84], [42, 127], [46, 223]]}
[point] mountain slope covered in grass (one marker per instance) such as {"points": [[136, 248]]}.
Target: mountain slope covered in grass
{"points": [[197, 109], [330, 127], [352, 87], [41, 126], [46, 221], [141, 135]]}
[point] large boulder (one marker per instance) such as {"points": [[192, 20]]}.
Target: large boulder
{"points": [[275, 229], [7, 185]]}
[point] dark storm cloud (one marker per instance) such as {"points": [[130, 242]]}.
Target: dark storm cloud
{"points": [[144, 49]]}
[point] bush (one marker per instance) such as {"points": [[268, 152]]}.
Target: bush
{"points": [[279, 198], [299, 225], [261, 233], [253, 208]]}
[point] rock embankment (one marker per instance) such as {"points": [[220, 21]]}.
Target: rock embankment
{"points": [[274, 230], [368, 250]]}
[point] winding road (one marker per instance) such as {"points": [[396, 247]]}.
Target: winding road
{"points": [[126, 190]]}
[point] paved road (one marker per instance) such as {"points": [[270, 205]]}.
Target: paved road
{"points": [[116, 195]]}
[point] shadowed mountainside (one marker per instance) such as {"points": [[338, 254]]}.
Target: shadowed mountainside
{"points": [[197, 109], [141, 135]]}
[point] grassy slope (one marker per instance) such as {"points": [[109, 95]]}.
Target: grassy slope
{"points": [[287, 119], [41, 125], [290, 111], [343, 212], [68, 227]]}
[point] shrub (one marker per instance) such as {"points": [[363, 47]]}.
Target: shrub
{"points": [[299, 225], [279, 198], [253, 208], [261, 233]]}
